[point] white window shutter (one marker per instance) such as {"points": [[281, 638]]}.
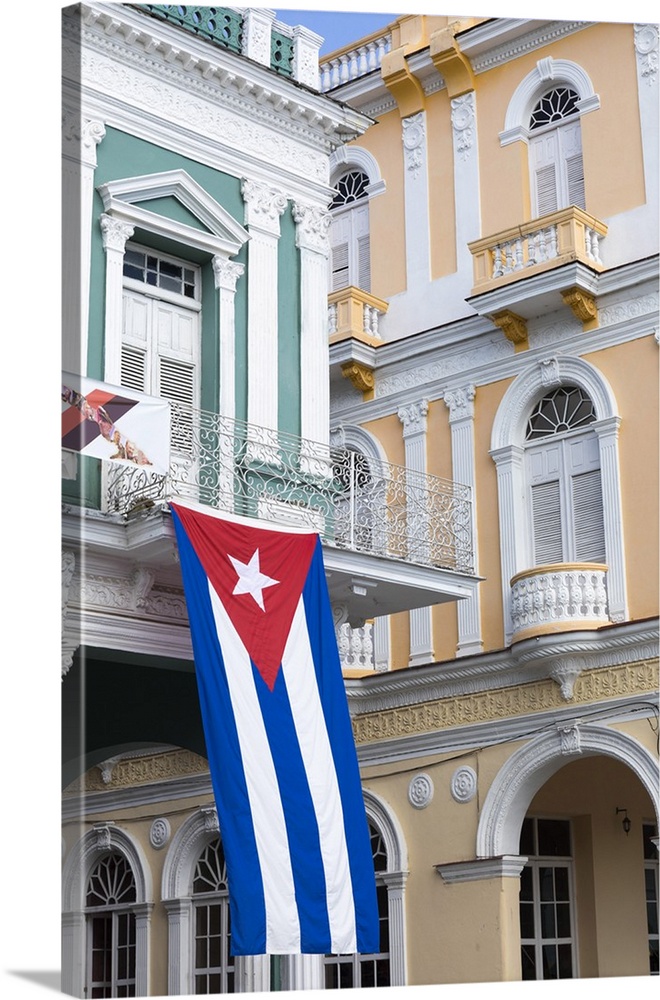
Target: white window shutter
{"points": [[588, 527], [543, 157], [575, 180], [364, 263], [133, 368], [546, 523], [340, 266]]}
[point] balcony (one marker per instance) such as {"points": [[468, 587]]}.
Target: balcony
{"points": [[558, 598], [538, 267], [393, 539]]}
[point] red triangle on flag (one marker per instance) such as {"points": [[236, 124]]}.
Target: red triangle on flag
{"points": [[258, 574]]}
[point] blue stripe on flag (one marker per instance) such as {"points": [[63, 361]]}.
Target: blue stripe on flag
{"points": [[333, 699], [299, 814], [246, 891]]}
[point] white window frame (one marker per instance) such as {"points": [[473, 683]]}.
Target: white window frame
{"points": [[548, 74], [115, 913], [342, 162], [535, 862], [123, 201], [508, 453], [102, 839], [652, 865]]}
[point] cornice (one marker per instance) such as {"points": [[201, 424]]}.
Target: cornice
{"points": [[116, 48], [528, 661], [437, 361], [484, 46]]}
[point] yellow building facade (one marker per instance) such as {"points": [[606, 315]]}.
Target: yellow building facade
{"points": [[493, 336], [511, 184]]}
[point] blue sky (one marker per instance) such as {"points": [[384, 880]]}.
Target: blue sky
{"points": [[338, 28]]}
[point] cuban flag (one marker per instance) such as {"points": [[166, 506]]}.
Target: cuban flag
{"points": [[279, 738]]}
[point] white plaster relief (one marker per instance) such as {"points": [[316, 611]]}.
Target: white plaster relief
{"points": [[463, 784], [420, 791], [192, 104], [646, 47], [160, 833], [463, 123], [414, 137]]}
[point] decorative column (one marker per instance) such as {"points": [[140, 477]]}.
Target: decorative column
{"points": [[312, 225], [142, 919], [263, 207], [80, 139], [416, 195], [466, 179], [302, 972], [226, 274], [252, 973], [460, 402], [413, 418], [179, 916], [396, 913], [115, 236], [73, 954]]}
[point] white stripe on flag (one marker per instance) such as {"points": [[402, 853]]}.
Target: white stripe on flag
{"points": [[282, 923], [304, 698]]}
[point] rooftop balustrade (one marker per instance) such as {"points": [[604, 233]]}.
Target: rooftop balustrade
{"points": [[353, 502]]}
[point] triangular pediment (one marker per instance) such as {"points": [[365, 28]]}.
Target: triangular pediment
{"points": [[172, 203]]}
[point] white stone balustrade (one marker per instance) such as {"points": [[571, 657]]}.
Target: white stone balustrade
{"points": [[558, 598], [356, 646], [353, 63], [550, 241]]}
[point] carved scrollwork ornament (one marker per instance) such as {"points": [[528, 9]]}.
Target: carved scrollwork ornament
{"points": [[420, 791]]}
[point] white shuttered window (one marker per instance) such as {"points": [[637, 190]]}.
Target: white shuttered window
{"points": [[562, 461], [555, 153], [161, 333], [349, 234]]}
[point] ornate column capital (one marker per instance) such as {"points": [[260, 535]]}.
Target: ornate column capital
{"points": [[263, 206], [115, 233], [312, 225], [226, 273], [646, 47], [81, 137], [460, 403], [413, 418]]}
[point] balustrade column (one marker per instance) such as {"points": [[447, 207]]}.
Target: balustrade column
{"points": [[460, 403], [80, 139], [115, 236], [413, 418], [416, 194], [312, 225], [263, 207]]}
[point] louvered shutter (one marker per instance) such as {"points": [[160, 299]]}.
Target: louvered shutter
{"points": [[588, 528], [177, 354], [361, 267], [135, 347], [339, 258], [364, 263], [543, 154], [547, 523], [570, 142]]}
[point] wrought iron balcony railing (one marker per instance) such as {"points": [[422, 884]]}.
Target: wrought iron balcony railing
{"points": [[353, 502]]}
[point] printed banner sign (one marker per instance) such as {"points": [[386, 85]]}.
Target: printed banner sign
{"points": [[279, 738], [115, 423]]}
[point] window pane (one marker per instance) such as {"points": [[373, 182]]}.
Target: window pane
{"points": [[549, 953], [561, 884], [546, 883], [526, 920], [554, 838], [565, 959], [527, 837], [548, 927], [563, 920], [528, 962]]}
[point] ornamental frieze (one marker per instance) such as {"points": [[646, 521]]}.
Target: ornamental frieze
{"points": [[540, 696], [130, 771]]}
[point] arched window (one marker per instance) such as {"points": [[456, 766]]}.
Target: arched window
{"points": [[213, 965], [349, 234], [555, 152], [345, 971], [111, 929], [562, 465]]}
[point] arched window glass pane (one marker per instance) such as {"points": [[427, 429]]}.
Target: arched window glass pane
{"points": [[211, 871], [213, 966], [350, 187], [557, 104], [111, 882], [567, 408]]}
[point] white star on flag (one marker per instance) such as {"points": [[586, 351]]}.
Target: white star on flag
{"points": [[251, 580]]}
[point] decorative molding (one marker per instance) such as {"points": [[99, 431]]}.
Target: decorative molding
{"points": [[460, 403], [646, 47], [312, 225], [463, 120], [528, 42], [420, 791], [513, 327], [359, 375], [80, 138], [463, 785], [485, 706], [115, 233], [505, 866], [413, 417], [129, 771], [570, 738], [264, 205], [226, 273], [160, 833], [413, 135], [582, 304], [516, 123]]}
